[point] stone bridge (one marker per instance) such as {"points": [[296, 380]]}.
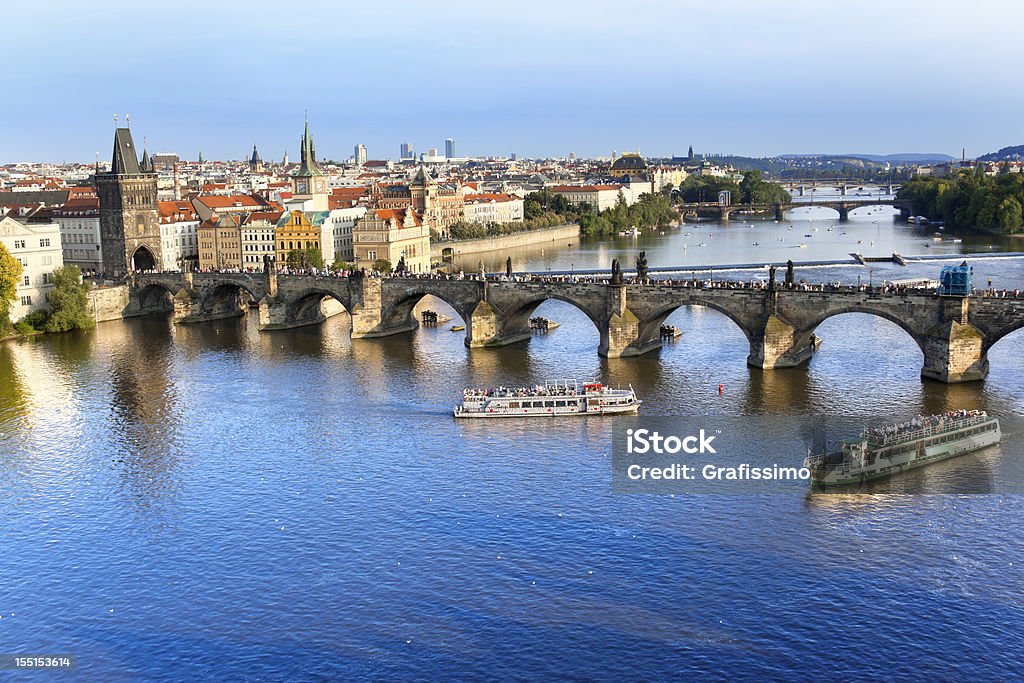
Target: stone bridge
{"points": [[841, 206], [954, 333]]}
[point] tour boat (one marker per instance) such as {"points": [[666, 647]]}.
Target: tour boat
{"points": [[548, 400], [883, 451]]}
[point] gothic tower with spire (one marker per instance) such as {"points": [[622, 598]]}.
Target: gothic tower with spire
{"points": [[129, 219], [308, 182], [255, 163]]}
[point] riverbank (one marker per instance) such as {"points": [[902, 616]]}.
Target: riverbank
{"points": [[454, 249]]}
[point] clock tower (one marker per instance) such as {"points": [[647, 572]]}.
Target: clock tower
{"points": [[309, 185]]}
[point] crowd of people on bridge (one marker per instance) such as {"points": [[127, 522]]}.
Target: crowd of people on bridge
{"points": [[704, 282]]}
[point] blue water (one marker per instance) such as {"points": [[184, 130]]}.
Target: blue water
{"points": [[213, 503]]}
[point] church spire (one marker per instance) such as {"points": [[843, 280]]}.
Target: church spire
{"points": [[145, 166], [308, 165]]}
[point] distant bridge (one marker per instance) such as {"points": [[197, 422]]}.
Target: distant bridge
{"points": [[843, 185], [954, 333], [841, 206]]}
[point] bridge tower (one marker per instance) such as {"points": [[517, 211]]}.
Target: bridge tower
{"points": [[129, 218]]}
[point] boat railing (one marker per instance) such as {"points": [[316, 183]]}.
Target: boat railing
{"points": [[944, 426]]}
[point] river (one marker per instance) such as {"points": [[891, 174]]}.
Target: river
{"points": [[210, 502]]}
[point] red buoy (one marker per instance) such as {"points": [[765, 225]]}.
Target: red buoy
{"points": [[721, 388]]}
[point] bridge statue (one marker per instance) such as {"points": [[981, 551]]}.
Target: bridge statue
{"points": [[641, 267], [616, 278], [400, 268], [790, 278], [508, 267], [771, 279]]}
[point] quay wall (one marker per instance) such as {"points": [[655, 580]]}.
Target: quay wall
{"points": [[110, 303], [520, 239]]}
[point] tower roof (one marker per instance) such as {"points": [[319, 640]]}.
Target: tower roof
{"points": [[255, 158], [308, 165], [145, 165], [124, 160], [422, 176]]}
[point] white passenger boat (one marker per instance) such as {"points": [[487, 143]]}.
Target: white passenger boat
{"points": [[548, 400], [883, 451]]}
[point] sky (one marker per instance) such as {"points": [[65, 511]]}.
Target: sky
{"points": [[747, 77]]}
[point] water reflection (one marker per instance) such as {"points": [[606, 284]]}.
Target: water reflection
{"points": [[144, 414]]}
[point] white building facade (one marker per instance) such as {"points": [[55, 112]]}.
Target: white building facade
{"points": [[341, 222], [38, 247], [258, 230], [492, 208], [79, 222], [179, 225]]}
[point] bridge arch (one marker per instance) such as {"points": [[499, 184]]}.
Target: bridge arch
{"points": [[916, 335], [156, 297], [399, 311], [998, 335], [227, 296], [306, 305], [650, 327], [518, 319]]}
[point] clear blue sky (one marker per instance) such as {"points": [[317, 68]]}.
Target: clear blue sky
{"points": [[753, 77]]}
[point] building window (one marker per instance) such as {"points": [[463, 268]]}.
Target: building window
{"points": [[46, 278], [26, 281], [47, 260], [26, 300], [19, 244], [45, 242]]}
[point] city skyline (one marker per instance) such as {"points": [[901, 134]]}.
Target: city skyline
{"points": [[809, 79]]}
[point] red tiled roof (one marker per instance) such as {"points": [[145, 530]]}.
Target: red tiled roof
{"points": [[177, 210], [230, 201]]}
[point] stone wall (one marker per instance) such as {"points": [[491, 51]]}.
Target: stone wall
{"points": [[111, 303], [489, 244]]}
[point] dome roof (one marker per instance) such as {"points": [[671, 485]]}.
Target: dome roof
{"points": [[629, 162]]}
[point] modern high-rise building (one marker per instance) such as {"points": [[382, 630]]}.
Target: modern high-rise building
{"points": [[449, 148], [359, 154], [406, 151]]}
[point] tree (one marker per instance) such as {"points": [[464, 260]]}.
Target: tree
{"points": [[10, 274], [315, 258], [382, 265], [1009, 214], [69, 302]]}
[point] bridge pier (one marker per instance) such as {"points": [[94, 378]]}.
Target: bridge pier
{"points": [[780, 212], [621, 334], [487, 327], [777, 344], [955, 350], [844, 212], [369, 319]]}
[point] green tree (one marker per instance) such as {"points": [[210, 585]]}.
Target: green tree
{"points": [[69, 302], [382, 265], [1009, 214], [10, 274], [315, 258]]}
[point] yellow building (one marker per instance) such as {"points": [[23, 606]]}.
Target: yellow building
{"points": [[391, 234], [301, 231]]}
